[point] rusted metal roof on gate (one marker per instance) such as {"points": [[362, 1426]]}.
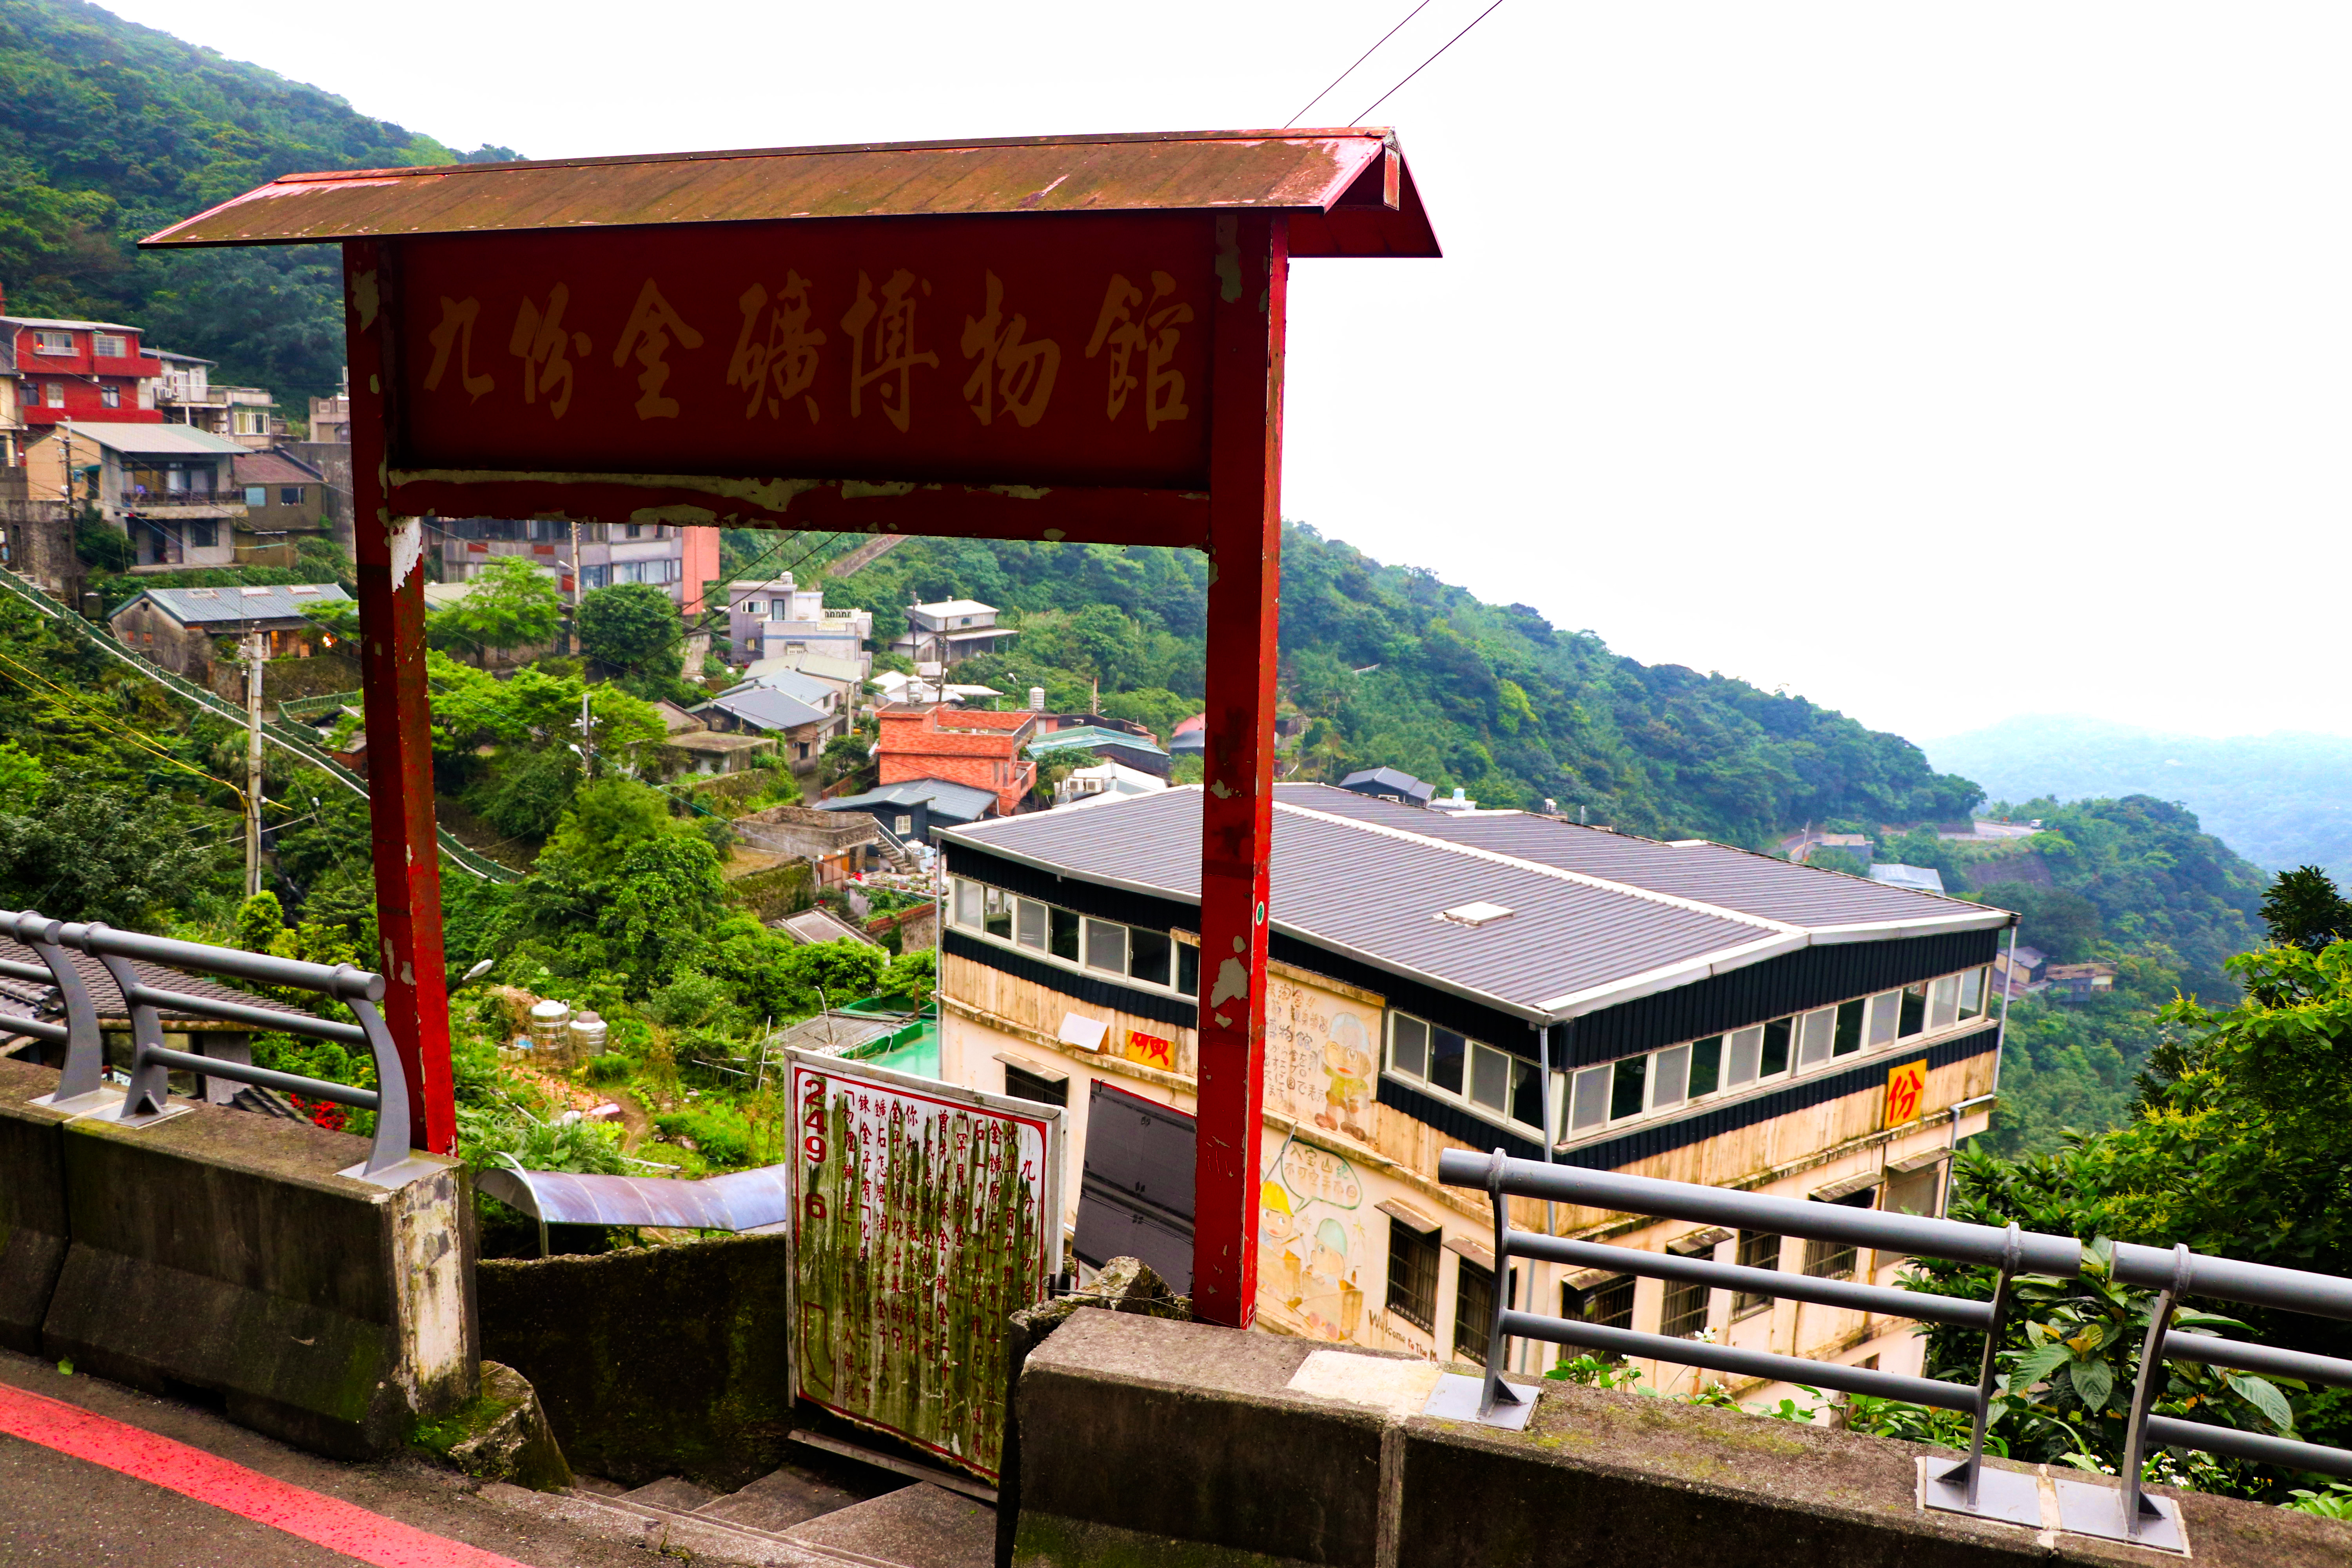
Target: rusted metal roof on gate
{"points": [[1349, 192]]}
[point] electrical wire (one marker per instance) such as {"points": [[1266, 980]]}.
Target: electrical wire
{"points": [[1344, 75], [1427, 63], [139, 738]]}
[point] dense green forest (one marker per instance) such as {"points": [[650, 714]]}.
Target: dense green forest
{"points": [[2282, 800], [1393, 666], [109, 131]]}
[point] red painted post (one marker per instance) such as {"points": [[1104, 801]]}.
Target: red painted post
{"points": [[1237, 809], [399, 717]]}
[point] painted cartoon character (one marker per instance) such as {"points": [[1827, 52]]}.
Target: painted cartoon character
{"points": [[1348, 1075]]}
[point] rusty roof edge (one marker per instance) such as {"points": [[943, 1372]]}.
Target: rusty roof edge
{"points": [[292, 183], [1383, 133]]}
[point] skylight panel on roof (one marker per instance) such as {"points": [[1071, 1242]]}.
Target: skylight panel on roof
{"points": [[1475, 914]]}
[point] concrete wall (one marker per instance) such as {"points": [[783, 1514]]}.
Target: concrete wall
{"points": [[1149, 1444], [32, 1203], [218, 1256], [654, 1362]]}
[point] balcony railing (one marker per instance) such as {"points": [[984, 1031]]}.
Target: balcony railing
{"points": [[1970, 1487]]}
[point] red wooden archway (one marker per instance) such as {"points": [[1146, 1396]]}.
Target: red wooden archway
{"points": [[1064, 338]]}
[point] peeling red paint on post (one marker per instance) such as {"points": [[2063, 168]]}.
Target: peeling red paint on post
{"points": [[1237, 813], [408, 858]]}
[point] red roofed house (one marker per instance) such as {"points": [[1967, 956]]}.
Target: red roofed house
{"points": [[95, 370], [983, 749]]}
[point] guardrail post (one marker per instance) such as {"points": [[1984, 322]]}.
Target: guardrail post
{"points": [[150, 1080], [391, 1145], [84, 1066], [2144, 1391], [1974, 1465], [1498, 1391]]}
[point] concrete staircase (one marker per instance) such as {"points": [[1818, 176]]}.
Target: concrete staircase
{"points": [[791, 1519]]}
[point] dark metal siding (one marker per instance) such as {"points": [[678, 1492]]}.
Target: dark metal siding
{"points": [[1618, 1153], [1497, 1029], [1085, 987], [1454, 1121], [1792, 983]]}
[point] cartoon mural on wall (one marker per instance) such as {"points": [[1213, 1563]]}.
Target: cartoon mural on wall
{"points": [[1322, 1054], [1311, 1242]]}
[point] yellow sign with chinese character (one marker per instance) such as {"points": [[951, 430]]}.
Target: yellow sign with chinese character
{"points": [[1907, 1092]]}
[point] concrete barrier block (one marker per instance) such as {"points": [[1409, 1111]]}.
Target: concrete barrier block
{"points": [[654, 1362], [1145, 1440], [32, 1203], [1604, 1480], [217, 1256]]}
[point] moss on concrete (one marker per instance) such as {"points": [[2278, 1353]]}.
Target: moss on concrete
{"points": [[1050, 1540], [655, 1361], [501, 1435]]}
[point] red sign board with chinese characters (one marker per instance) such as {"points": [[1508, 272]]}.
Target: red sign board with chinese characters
{"points": [[1050, 351], [923, 1215]]}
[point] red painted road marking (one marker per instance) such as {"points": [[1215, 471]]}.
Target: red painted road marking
{"points": [[322, 1521]]}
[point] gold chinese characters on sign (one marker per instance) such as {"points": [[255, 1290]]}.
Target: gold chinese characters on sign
{"points": [[921, 350]]}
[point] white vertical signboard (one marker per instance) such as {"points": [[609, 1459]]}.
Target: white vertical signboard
{"points": [[923, 1215]]}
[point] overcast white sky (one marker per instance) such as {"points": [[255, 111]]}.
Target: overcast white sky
{"points": [[1939, 363]]}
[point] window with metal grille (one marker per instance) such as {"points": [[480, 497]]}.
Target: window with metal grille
{"points": [[1413, 1274], [1684, 1312], [1473, 1310], [1022, 1085], [1609, 1303], [1758, 1250], [1836, 1259]]}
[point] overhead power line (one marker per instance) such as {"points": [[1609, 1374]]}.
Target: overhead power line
{"points": [[1344, 75], [1425, 64]]}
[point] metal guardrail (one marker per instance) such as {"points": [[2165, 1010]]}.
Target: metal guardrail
{"points": [[2128, 1514], [82, 1087], [300, 708]]}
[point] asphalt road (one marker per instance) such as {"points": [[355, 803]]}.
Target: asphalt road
{"points": [[58, 1508]]}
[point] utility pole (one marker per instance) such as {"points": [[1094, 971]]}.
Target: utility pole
{"points": [[257, 654], [573, 637], [587, 728]]}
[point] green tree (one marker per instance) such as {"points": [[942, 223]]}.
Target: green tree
{"points": [[22, 777], [2303, 909], [632, 627], [509, 604], [606, 821], [667, 892], [96, 852]]}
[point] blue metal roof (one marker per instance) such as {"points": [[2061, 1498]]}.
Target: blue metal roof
{"points": [[944, 797], [1091, 736], [216, 606]]}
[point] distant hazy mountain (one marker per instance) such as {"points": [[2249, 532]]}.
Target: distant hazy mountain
{"points": [[2279, 800]]}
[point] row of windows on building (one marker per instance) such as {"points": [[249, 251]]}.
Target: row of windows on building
{"points": [[1078, 941], [1498, 1085], [104, 345], [1504, 1087], [658, 571], [1685, 1307], [52, 395], [550, 530]]}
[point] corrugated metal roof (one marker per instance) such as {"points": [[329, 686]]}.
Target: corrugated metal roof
{"points": [[211, 606], [766, 707], [106, 997], [1715, 873], [744, 1200], [273, 468], [59, 322], [1090, 736], [942, 796], [1335, 183], [155, 440], [802, 688], [1371, 878]]}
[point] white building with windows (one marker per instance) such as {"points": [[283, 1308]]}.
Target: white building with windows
{"points": [[1469, 981], [171, 489], [949, 630], [776, 619]]}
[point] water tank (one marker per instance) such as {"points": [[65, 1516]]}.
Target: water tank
{"points": [[588, 1034], [549, 1024], [1036, 699]]}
